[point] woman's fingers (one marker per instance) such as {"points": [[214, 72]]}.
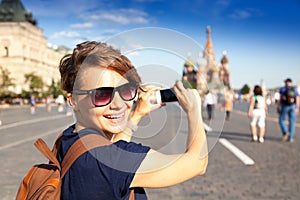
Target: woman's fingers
{"points": [[188, 98], [147, 99]]}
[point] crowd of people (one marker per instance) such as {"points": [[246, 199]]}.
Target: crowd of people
{"points": [[257, 110], [49, 102], [286, 100]]}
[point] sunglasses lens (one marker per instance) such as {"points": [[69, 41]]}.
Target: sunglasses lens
{"points": [[128, 92], [102, 96]]}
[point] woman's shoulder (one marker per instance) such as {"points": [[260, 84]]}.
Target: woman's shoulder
{"points": [[132, 146], [69, 138]]}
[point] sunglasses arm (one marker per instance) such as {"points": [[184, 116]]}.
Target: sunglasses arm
{"points": [[82, 92]]}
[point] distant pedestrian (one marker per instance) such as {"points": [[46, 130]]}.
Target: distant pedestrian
{"points": [[257, 112], [48, 103], [288, 104], [268, 100], [228, 104], [189, 75], [60, 102], [276, 97], [32, 104], [69, 109], [210, 101], [239, 98]]}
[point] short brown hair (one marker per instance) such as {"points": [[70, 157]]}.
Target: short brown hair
{"points": [[91, 53]]}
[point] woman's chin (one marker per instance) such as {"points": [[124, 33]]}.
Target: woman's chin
{"points": [[116, 125], [116, 129]]}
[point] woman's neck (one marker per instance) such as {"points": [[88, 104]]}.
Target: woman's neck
{"points": [[105, 134]]}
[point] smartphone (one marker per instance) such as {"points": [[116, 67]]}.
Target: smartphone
{"points": [[166, 95]]}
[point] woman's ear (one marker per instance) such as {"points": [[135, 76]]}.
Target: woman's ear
{"points": [[72, 101]]}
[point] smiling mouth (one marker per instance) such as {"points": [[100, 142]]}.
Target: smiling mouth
{"points": [[118, 116]]}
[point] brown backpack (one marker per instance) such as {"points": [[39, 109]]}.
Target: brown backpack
{"points": [[43, 181]]}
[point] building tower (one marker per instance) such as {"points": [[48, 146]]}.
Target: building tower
{"points": [[209, 53], [211, 66], [224, 71], [208, 75]]}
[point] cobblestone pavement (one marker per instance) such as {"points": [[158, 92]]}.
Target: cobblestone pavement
{"points": [[275, 174]]}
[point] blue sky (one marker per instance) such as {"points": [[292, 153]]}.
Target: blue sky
{"points": [[261, 37]]}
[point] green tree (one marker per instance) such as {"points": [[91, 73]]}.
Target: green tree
{"points": [[54, 89], [245, 89], [5, 81], [35, 82]]}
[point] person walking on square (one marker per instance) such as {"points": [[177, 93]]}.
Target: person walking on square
{"points": [[210, 101], [32, 104], [228, 104], [257, 112], [49, 102], [60, 103], [288, 104]]}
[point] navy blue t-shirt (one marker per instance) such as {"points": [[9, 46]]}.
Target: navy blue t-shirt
{"points": [[102, 173]]}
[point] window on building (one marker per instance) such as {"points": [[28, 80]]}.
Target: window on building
{"points": [[6, 53]]}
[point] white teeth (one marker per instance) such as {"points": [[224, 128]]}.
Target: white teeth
{"points": [[115, 116]]}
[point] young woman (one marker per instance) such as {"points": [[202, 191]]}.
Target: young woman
{"points": [[257, 112], [102, 84]]}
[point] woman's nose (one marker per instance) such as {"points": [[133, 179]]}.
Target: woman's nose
{"points": [[117, 101]]}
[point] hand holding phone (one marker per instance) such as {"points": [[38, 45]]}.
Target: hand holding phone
{"points": [[166, 95]]}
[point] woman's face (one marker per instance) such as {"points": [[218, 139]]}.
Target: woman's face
{"points": [[111, 118]]}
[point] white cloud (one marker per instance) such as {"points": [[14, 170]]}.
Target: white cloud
{"points": [[82, 25], [110, 31], [65, 34], [121, 16], [133, 53], [246, 13], [99, 38], [240, 14]]}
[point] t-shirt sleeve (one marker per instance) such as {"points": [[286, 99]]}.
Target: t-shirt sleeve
{"points": [[281, 91], [296, 91], [122, 159]]}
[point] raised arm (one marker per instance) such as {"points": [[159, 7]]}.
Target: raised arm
{"points": [[160, 170]]}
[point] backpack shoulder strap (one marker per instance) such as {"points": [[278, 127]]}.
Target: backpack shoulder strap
{"points": [[289, 88], [81, 146], [44, 149], [57, 144]]}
